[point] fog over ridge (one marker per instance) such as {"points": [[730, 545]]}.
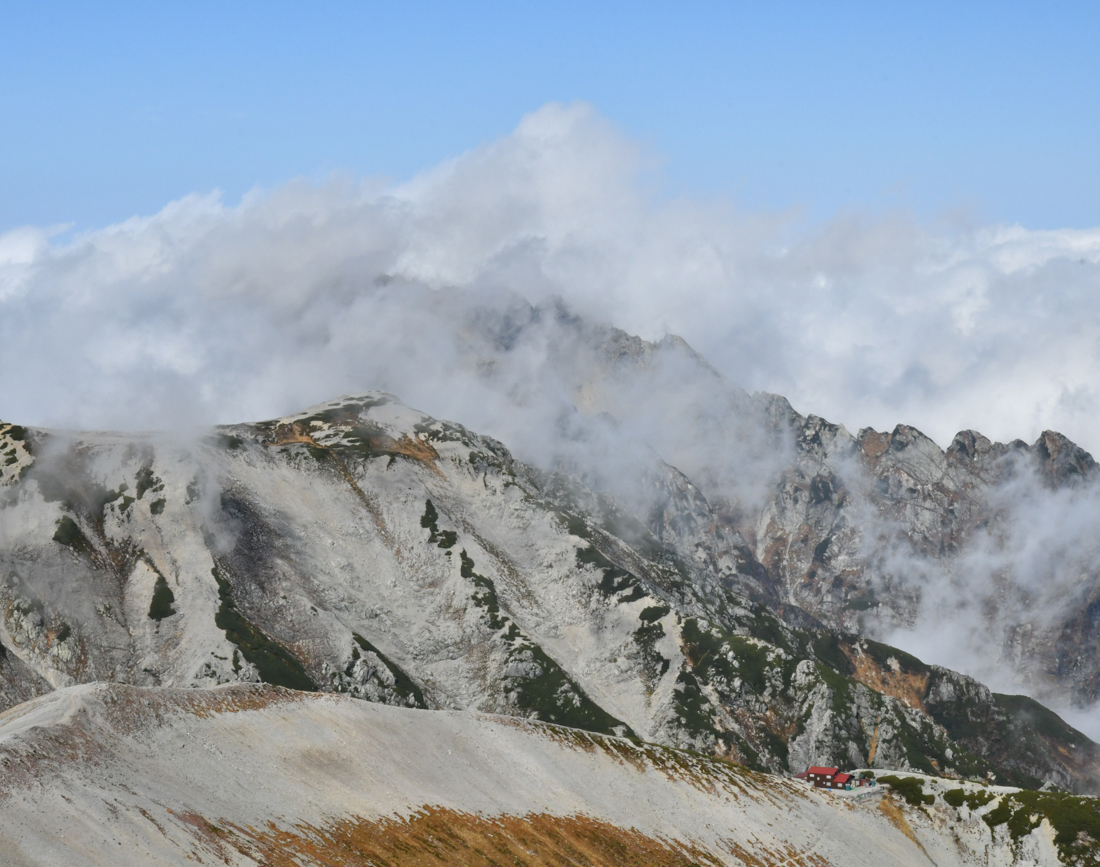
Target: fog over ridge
{"points": [[445, 292], [208, 312]]}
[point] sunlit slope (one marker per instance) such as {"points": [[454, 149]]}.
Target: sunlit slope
{"points": [[366, 549], [109, 774]]}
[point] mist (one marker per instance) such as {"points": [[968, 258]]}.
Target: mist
{"points": [[209, 312], [461, 292]]}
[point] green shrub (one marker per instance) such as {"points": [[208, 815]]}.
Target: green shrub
{"points": [[910, 788], [146, 481], [67, 532], [653, 613], [999, 814], [161, 604], [275, 664], [1072, 816], [429, 521], [979, 799], [955, 797]]}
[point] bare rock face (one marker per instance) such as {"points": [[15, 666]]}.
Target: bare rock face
{"points": [[881, 530], [1062, 461], [872, 532], [366, 549]]}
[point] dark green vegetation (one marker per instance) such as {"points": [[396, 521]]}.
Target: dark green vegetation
{"points": [[1016, 735], [653, 613], [68, 533], [535, 683], [754, 675], [826, 649], [757, 661], [616, 582], [1076, 820], [742, 654], [883, 653], [429, 521], [146, 481], [405, 688], [275, 664], [161, 604], [910, 788], [733, 665], [646, 637], [957, 797]]}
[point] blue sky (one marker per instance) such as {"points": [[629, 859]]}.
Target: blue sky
{"points": [[114, 109]]}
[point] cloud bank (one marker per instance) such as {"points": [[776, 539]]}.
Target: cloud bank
{"points": [[207, 312]]}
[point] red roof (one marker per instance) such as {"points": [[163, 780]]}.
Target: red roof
{"points": [[842, 778], [826, 771], [801, 776]]}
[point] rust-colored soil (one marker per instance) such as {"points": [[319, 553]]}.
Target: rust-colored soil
{"points": [[910, 688], [893, 812], [874, 444], [418, 449], [285, 434], [436, 836]]}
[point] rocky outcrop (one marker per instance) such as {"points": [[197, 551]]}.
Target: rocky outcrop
{"points": [[364, 548]]}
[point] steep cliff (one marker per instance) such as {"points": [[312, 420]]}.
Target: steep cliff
{"points": [[364, 548]]}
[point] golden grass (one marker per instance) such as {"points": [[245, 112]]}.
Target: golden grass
{"points": [[890, 809], [437, 836]]}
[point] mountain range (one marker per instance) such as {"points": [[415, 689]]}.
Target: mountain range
{"points": [[699, 570]]}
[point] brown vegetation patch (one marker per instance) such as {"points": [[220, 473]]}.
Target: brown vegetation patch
{"points": [[438, 836], [130, 708], [873, 444], [416, 448], [910, 688], [890, 809], [419, 449], [285, 434], [702, 772]]}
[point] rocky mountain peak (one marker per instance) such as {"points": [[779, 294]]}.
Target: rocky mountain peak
{"points": [[364, 548], [1063, 462]]}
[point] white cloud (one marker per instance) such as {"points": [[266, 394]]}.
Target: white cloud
{"points": [[245, 310], [212, 313]]}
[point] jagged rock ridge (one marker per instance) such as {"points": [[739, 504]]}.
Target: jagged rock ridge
{"points": [[364, 548]]}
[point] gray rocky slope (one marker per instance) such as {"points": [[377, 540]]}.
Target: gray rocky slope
{"points": [[106, 774], [986, 551], [366, 549]]}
